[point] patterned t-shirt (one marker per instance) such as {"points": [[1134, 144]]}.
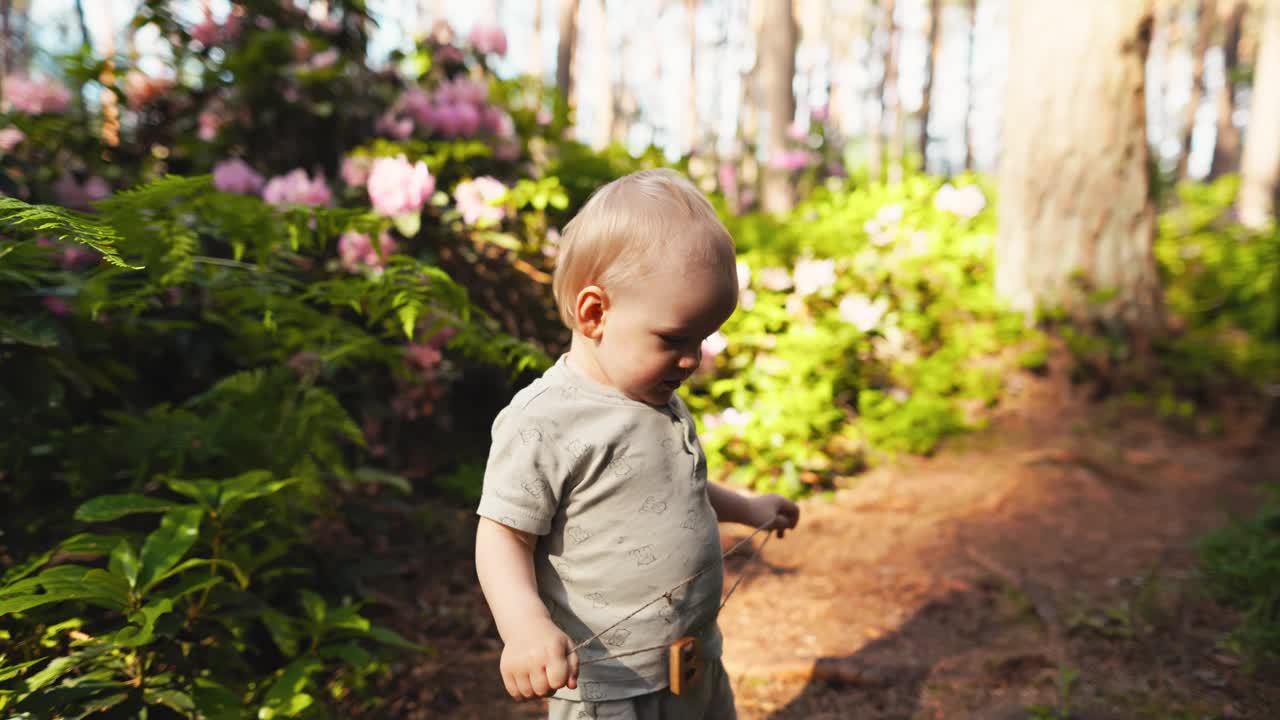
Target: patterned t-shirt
{"points": [[617, 491]]}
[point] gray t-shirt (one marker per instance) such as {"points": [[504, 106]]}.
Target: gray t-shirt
{"points": [[617, 491]]}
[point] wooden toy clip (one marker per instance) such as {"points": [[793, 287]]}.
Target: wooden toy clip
{"points": [[686, 665]]}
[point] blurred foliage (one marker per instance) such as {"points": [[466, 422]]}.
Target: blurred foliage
{"points": [[1241, 565], [867, 326]]}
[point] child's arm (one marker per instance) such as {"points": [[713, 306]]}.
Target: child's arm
{"points": [[731, 507], [537, 657]]}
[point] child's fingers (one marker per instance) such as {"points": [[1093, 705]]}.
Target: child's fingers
{"points": [[557, 671], [524, 687], [573, 670], [538, 681], [513, 688]]}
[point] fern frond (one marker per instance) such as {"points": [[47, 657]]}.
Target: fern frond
{"points": [[66, 225]]}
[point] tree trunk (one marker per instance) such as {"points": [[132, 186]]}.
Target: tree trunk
{"points": [[893, 95], [602, 95], [565, 49], [875, 122], [970, 85], [535, 51], [931, 72], [1076, 214], [1260, 166], [1226, 143], [776, 49], [1205, 21], [691, 95]]}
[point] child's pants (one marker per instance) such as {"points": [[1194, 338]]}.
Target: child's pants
{"points": [[711, 699]]}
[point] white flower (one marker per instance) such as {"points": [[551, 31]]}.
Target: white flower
{"points": [[735, 417], [964, 202], [747, 299], [890, 214], [715, 344], [744, 274], [861, 312], [775, 278], [814, 275]]}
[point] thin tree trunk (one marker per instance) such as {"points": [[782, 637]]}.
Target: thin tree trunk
{"points": [[691, 96], [876, 119], [1226, 143], [970, 85], [776, 49], [1076, 214], [1260, 165], [602, 94], [565, 49], [893, 95], [536, 68], [1205, 21], [931, 72], [875, 138]]}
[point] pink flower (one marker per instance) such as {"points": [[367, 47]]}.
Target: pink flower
{"points": [[423, 356], [821, 113], [449, 55], [397, 187], [477, 200], [355, 169], [78, 256], [715, 344], [357, 252], [446, 119], [324, 59], [79, 197], [296, 188], [797, 132], [210, 123], [35, 96], [56, 305], [728, 177], [461, 90], [499, 122], [141, 90], [488, 39], [790, 160], [392, 127], [10, 137], [468, 120], [417, 104], [235, 176], [206, 32], [543, 117]]}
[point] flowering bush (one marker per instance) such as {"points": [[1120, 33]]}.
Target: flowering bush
{"points": [[867, 325]]}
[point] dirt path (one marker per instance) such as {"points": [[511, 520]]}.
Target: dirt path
{"points": [[969, 585]]}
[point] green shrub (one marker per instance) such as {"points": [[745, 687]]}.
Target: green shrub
{"points": [[867, 326], [1241, 565]]}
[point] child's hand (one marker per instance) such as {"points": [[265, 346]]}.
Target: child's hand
{"points": [[774, 512], [539, 661]]}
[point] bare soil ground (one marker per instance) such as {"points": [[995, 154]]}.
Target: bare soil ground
{"points": [[1058, 543]]}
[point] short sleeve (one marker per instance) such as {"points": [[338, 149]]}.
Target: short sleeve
{"points": [[524, 476]]}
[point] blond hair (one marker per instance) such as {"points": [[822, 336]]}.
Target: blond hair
{"points": [[630, 222]]}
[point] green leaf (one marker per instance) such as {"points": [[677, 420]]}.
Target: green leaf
{"points": [[89, 544], [348, 618], [101, 704], [66, 582], [110, 507], [408, 223], [241, 578], [393, 639], [144, 623], [253, 484], [350, 653], [408, 315], [370, 475], [172, 699], [167, 544], [8, 672], [216, 702], [285, 697], [313, 605], [204, 492], [124, 562], [283, 630]]}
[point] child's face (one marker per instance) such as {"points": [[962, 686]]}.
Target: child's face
{"points": [[651, 340]]}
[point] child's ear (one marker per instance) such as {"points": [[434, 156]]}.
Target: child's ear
{"points": [[589, 309]]}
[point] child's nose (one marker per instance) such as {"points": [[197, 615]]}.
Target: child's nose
{"points": [[689, 360]]}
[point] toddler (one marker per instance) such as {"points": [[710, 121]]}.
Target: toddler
{"points": [[596, 498]]}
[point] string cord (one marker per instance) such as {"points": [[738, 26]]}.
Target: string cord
{"points": [[755, 553]]}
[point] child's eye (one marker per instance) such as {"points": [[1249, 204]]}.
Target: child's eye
{"points": [[673, 340]]}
